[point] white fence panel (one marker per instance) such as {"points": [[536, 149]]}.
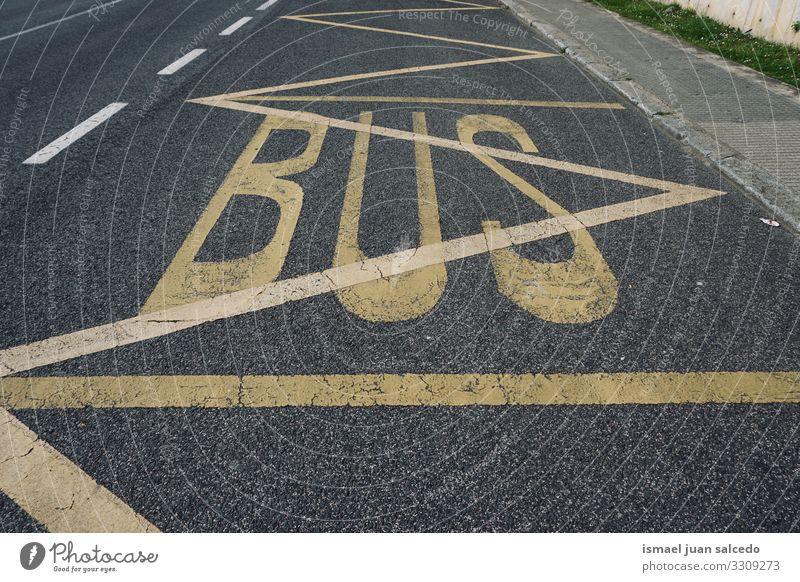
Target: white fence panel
{"points": [[770, 19]]}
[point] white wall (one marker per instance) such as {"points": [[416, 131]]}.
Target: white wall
{"points": [[771, 19]]}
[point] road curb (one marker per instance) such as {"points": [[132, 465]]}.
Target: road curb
{"points": [[780, 202]]}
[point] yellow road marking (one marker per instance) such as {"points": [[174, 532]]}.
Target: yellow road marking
{"points": [[53, 490], [514, 156], [402, 390], [396, 297], [374, 75], [398, 10], [435, 100], [580, 289], [301, 18], [186, 279], [157, 324]]}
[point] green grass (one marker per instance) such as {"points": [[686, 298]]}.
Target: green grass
{"points": [[775, 60]]}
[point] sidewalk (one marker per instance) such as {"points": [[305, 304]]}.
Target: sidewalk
{"points": [[744, 123]]}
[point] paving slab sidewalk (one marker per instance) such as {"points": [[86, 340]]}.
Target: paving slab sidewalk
{"points": [[744, 123]]}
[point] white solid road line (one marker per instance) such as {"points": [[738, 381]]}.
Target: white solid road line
{"points": [[95, 7], [236, 26], [74, 134], [181, 62], [266, 5]]}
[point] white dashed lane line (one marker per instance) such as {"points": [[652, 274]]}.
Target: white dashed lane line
{"points": [[73, 135], [52, 149], [181, 62], [236, 26], [96, 8], [266, 5]]}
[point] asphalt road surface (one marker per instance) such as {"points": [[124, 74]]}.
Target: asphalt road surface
{"points": [[372, 266]]}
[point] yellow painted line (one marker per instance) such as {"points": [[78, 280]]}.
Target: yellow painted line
{"points": [[187, 280], [403, 390], [579, 289], [120, 392], [398, 10], [435, 100], [411, 294], [514, 156], [377, 74], [160, 323], [407, 33], [53, 490]]}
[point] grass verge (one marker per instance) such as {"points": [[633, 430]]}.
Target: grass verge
{"points": [[775, 60]]}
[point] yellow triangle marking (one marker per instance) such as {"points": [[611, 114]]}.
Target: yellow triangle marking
{"points": [[512, 155], [55, 491], [398, 10], [373, 75], [433, 100], [142, 327], [413, 34]]}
